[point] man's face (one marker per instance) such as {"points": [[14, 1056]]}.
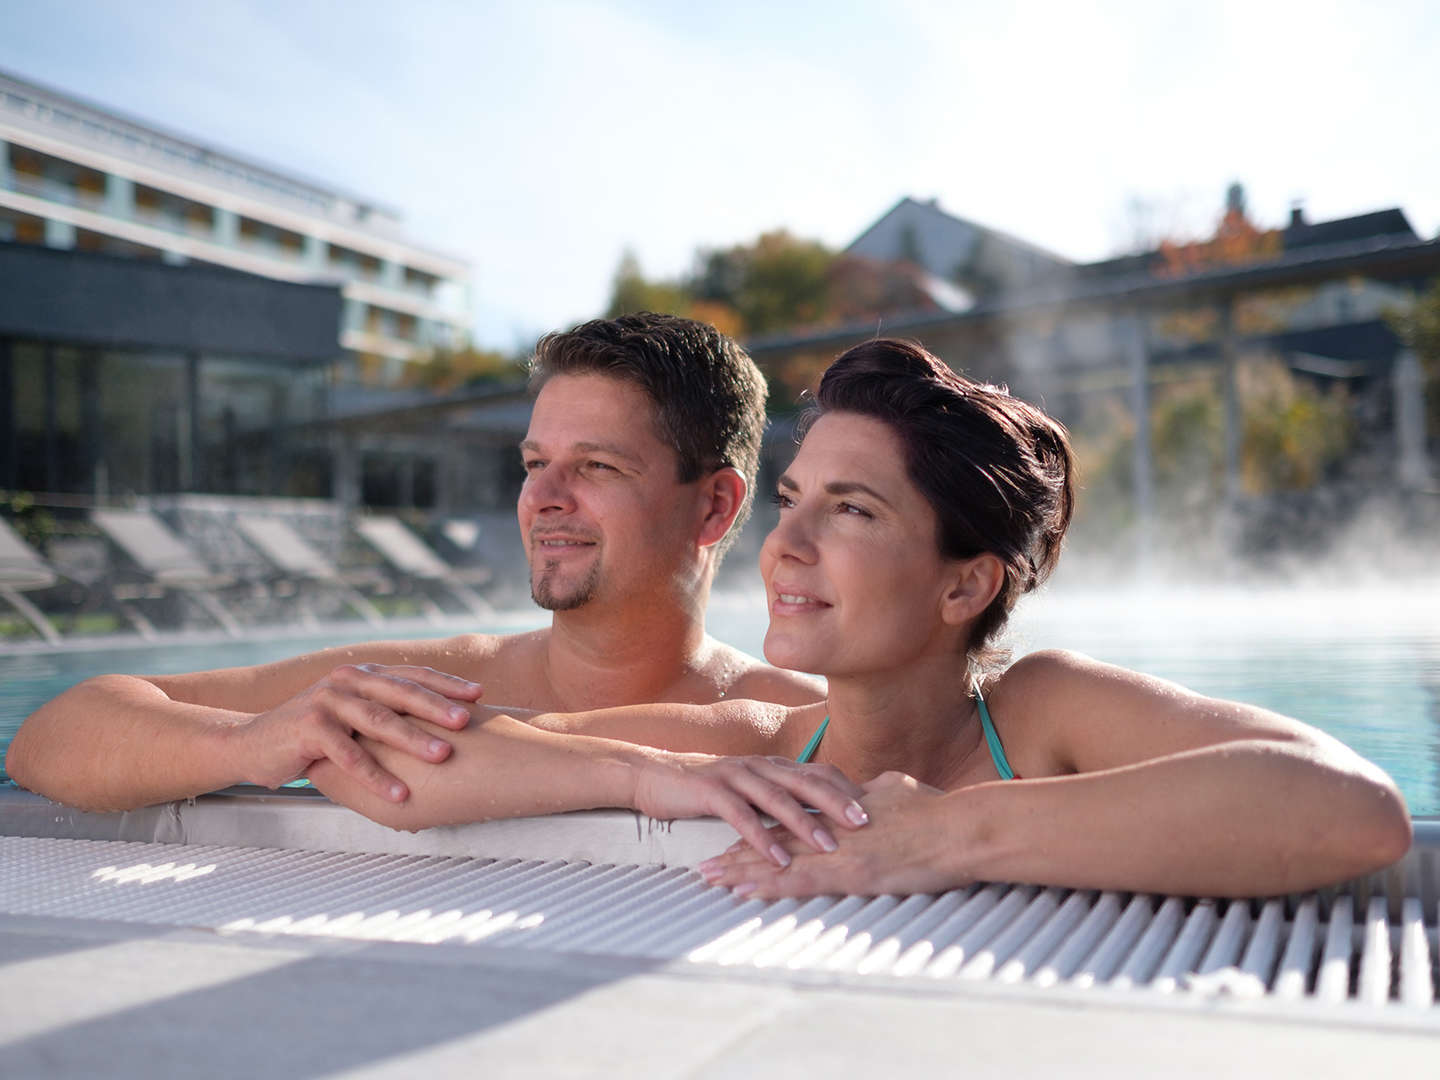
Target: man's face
{"points": [[602, 512]]}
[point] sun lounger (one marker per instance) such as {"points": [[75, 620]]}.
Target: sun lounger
{"points": [[295, 557], [167, 561], [23, 570], [410, 556]]}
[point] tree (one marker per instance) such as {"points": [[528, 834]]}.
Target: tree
{"points": [[631, 291], [1418, 326], [447, 370]]}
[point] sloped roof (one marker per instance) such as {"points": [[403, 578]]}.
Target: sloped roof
{"points": [[945, 241], [1390, 223]]}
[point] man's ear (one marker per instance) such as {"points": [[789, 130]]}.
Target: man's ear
{"points": [[975, 583], [722, 494]]}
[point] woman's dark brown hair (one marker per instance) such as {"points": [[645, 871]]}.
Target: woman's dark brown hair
{"points": [[997, 471]]}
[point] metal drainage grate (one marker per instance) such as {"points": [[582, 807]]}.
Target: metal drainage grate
{"points": [[1369, 943]]}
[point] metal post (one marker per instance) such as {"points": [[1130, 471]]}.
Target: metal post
{"points": [[1139, 361], [93, 435], [1408, 383], [52, 421], [1234, 431], [345, 471], [189, 436], [9, 433]]}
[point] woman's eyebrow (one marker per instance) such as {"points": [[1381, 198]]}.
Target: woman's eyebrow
{"points": [[854, 487], [838, 487]]}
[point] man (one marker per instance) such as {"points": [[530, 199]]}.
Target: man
{"points": [[640, 465]]}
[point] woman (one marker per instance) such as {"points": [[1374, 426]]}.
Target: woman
{"points": [[919, 508]]}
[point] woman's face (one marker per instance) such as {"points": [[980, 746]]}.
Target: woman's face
{"points": [[853, 574]]}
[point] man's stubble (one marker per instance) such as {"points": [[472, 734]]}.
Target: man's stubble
{"points": [[545, 594]]}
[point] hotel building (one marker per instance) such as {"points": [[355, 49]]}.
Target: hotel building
{"points": [[77, 176]]}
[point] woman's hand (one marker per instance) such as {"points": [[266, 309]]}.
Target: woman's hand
{"points": [[322, 722], [895, 854], [740, 789]]}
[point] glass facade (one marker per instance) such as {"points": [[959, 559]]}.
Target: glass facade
{"points": [[112, 423]]}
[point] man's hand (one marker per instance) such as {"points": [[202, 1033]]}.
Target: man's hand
{"points": [[322, 722], [894, 855], [740, 789]]}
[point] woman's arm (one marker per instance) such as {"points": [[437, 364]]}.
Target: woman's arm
{"points": [[1150, 788], [502, 767]]}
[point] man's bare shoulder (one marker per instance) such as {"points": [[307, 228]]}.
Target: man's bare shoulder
{"points": [[462, 654], [749, 677]]}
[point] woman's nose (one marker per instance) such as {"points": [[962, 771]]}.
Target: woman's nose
{"points": [[790, 538]]}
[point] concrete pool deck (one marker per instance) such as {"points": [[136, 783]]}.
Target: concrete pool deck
{"points": [[247, 932], [105, 1000]]}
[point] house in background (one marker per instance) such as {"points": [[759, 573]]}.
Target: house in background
{"points": [[965, 262], [1313, 297]]}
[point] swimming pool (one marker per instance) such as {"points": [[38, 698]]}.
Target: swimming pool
{"points": [[1362, 664]]}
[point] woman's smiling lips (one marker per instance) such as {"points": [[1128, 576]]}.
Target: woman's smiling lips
{"points": [[792, 601]]}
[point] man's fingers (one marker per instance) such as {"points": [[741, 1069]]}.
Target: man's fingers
{"points": [[452, 686], [352, 758], [402, 696], [383, 724]]}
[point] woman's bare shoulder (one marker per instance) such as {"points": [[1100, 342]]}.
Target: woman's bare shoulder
{"points": [[1033, 699]]}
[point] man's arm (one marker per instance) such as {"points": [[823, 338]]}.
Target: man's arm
{"points": [[121, 741]]}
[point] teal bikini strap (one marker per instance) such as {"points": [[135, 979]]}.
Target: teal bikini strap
{"points": [[992, 739], [814, 743]]}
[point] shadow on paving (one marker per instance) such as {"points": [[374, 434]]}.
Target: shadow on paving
{"points": [[316, 1016], [17, 947]]}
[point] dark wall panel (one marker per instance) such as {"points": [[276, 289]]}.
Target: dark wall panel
{"points": [[83, 298]]}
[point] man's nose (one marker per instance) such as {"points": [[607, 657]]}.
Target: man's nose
{"points": [[547, 489]]}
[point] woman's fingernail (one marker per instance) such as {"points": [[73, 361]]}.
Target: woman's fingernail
{"points": [[745, 888], [780, 855], [459, 713], [397, 792], [824, 841], [438, 747], [856, 815]]}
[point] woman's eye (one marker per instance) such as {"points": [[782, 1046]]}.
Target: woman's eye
{"points": [[851, 508], [783, 501]]}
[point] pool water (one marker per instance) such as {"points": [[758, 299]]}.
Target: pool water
{"points": [[1362, 664]]}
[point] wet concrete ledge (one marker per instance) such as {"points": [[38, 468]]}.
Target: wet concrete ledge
{"points": [[297, 818]]}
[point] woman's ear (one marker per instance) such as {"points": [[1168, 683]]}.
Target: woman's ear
{"points": [[722, 493], [976, 582]]}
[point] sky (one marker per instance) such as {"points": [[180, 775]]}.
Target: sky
{"points": [[541, 139]]}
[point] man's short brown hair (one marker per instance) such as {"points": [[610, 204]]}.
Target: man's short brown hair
{"points": [[709, 396]]}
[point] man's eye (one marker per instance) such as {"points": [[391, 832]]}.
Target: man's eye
{"points": [[602, 466], [531, 464]]}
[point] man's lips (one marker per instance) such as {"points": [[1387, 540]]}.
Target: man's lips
{"points": [[788, 600], [553, 542]]}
